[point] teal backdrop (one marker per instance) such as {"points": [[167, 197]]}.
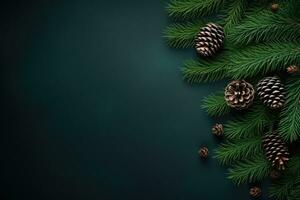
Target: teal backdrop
{"points": [[94, 106]]}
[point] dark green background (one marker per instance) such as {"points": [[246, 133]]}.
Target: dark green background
{"points": [[94, 106]]}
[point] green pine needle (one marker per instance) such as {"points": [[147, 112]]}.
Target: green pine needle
{"points": [[204, 71], [259, 60], [249, 125], [250, 170], [182, 35], [289, 126], [235, 12], [295, 193], [266, 26], [215, 105], [230, 152], [283, 188], [189, 9]]}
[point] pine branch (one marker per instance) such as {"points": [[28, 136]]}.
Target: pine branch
{"points": [[189, 9], [282, 188], [295, 193], [265, 26], [230, 152], [249, 125], [182, 35], [235, 12], [204, 71], [252, 170], [256, 61], [215, 105], [289, 126]]}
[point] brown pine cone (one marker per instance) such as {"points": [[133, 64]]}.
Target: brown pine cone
{"points": [[239, 94], [209, 39], [218, 130], [275, 174], [275, 7], [271, 91], [276, 150], [292, 69], [203, 152], [255, 192]]}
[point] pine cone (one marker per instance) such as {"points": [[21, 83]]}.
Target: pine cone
{"points": [[203, 152], [217, 130], [292, 69], [275, 7], [210, 39], [239, 94], [276, 150], [255, 192], [275, 174], [271, 91]]}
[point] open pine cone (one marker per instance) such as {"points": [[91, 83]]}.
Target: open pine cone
{"points": [[239, 94], [255, 192], [203, 152], [209, 40], [218, 130], [292, 69], [276, 150]]}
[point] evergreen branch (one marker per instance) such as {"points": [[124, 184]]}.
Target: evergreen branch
{"points": [[251, 124], [256, 61], [252, 170], [230, 152], [281, 189], [295, 193], [182, 35], [265, 26], [188, 9], [204, 71], [289, 126], [215, 105], [235, 13]]}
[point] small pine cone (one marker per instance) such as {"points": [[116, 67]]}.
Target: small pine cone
{"points": [[292, 69], [275, 7], [276, 150], [271, 91], [255, 192], [239, 94], [275, 174], [203, 152], [218, 130], [209, 40]]}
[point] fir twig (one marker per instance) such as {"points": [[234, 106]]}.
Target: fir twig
{"points": [[282, 188], [265, 26], [289, 126], [235, 12], [256, 61], [233, 151], [215, 105], [250, 170], [251, 124], [180, 35], [204, 71], [189, 9]]}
